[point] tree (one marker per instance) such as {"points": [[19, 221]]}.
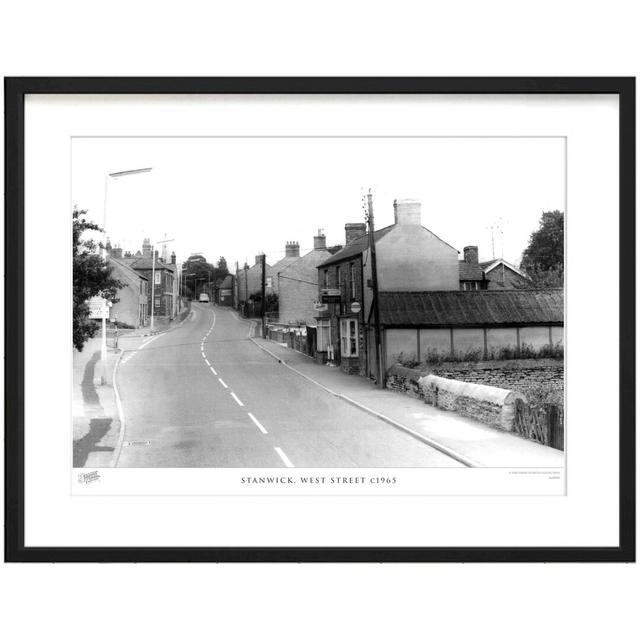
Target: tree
{"points": [[543, 259], [91, 277]]}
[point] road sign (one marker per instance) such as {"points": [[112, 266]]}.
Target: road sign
{"points": [[355, 307], [98, 308]]}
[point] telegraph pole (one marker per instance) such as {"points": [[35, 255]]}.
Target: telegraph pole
{"points": [[374, 278], [264, 287]]}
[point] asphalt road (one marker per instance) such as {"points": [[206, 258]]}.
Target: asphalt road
{"points": [[204, 395]]}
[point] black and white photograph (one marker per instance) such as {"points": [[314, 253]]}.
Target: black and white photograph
{"points": [[318, 302]]}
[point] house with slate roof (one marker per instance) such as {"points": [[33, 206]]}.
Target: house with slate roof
{"points": [[132, 306], [297, 284], [165, 288], [424, 305], [504, 275]]}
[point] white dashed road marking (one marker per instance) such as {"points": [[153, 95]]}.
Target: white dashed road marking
{"points": [[283, 457], [258, 424], [235, 397], [213, 370], [222, 382]]}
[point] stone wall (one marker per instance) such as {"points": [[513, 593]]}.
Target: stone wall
{"points": [[491, 404], [517, 375]]}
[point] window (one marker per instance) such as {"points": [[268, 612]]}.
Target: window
{"points": [[337, 277], [326, 278], [349, 337], [157, 302], [269, 282], [158, 277], [470, 286]]}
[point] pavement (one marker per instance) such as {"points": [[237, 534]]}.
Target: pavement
{"points": [[206, 393], [96, 423]]}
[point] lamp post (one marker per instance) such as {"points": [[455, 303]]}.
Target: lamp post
{"points": [[115, 175], [153, 277]]}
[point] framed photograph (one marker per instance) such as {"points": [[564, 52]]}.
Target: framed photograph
{"points": [[320, 319]]}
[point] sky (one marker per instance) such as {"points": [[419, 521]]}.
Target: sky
{"points": [[236, 197]]}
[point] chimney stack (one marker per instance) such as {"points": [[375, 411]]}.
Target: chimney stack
{"points": [[292, 250], [259, 258], [354, 230], [116, 252], [173, 257], [471, 255], [406, 212], [320, 241]]}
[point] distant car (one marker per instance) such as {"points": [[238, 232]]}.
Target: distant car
{"points": [[204, 297]]}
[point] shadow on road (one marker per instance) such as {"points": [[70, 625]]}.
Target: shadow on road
{"points": [[98, 428]]}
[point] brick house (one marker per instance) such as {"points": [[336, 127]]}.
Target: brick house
{"points": [[472, 277], [292, 253], [297, 284], [165, 287], [409, 258], [132, 306], [503, 275]]}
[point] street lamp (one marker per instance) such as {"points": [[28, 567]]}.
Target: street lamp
{"points": [[115, 175]]}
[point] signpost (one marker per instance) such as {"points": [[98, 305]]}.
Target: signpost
{"points": [[355, 307], [99, 310]]}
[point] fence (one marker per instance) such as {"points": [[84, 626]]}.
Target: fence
{"points": [[544, 424], [297, 337]]}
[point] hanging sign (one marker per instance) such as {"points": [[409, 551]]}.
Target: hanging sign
{"points": [[330, 295]]}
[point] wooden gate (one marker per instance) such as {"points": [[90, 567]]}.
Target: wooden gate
{"points": [[544, 424]]}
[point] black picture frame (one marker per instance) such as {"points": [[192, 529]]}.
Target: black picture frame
{"points": [[15, 91]]}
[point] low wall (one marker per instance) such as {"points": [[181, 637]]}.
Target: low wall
{"points": [[487, 404], [517, 375], [491, 405]]}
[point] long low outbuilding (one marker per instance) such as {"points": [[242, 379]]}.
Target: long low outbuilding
{"points": [[465, 324]]}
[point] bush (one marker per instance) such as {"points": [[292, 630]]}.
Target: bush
{"points": [[409, 360], [544, 393]]}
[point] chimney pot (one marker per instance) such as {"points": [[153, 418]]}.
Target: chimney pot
{"points": [[471, 255], [292, 249], [407, 212], [354, 230], [320, 241]]}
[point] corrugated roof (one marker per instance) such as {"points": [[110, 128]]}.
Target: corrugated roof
{"points": [[472, 308], [356, 247], [469, 271]]}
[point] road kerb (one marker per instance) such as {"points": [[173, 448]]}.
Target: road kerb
{"points": [[118, 449], [462, 459]]}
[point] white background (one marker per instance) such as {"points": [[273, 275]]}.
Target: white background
{"points": [[489, 38]]}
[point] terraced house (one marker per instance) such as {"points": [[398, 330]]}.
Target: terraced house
{"points": [[422, 307]]}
